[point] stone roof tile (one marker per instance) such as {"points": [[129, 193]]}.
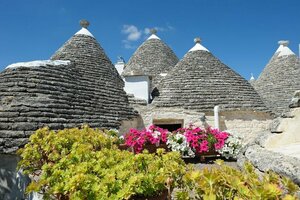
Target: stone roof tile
{"points": [[61, 94], [152, 58], [200, 81], [279, 79]]}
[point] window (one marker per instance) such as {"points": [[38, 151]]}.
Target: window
{"points": [[170, 124]]}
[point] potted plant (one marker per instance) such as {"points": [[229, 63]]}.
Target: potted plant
{"points": [[150, 138], [195, 141], [232, 146]]}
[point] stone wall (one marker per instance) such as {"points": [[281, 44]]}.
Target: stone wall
{"points": [[277, 149], [149, 114], [133, 123], [79, 85], [55, 96], [246, 124], [288, 131]]}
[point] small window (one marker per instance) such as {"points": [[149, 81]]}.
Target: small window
{"points": [[170, 127], [170, 124]]}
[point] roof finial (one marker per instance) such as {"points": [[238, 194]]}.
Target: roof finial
{"points": [[83, 31], [198, 46], [252, 77], [197, 40], [84, 23], [153, 35], [283, 42], [153, 31]]}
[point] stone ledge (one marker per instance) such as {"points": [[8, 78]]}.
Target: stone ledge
{"points": [[265, 160]]}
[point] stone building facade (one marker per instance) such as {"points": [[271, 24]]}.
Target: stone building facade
{"points": [[79, 85], [191, 89], [148, 66]]}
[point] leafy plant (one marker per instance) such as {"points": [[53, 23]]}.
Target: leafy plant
{"points": [[85, 164], [47, 146], [225, 182]]}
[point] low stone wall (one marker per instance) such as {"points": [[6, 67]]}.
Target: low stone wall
{"points": [[246, 124], [278, 148], [287, 130], [265, 160]]}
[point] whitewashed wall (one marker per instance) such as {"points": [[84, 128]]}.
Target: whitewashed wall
{"points": [[120, 66], [138, 86]]}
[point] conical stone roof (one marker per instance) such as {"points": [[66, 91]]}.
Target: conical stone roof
{"points": [[78, 85], [201, 81], [90, 58], [152, 58], [279, 79]]}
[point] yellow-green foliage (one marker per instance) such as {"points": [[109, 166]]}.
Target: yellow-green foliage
{"points": [[84, 164], [225, 182]]}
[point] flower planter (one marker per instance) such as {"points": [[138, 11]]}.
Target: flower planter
{"points": [[203, 155], [162, 196], [124, 147], [152, 147]]}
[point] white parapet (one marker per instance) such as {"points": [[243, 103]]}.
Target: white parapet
{"points": [[120, 67], [138, 86]]}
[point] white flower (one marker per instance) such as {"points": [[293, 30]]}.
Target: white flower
{"points": [[177, 142], [156, 134], [232, 147]]}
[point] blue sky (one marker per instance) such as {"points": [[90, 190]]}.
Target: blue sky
{"points": [[242, 34]]}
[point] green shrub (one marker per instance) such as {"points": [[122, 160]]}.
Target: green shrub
{"points": [[85, 164], [225, 182]]}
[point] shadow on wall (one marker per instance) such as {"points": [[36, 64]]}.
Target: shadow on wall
{"points": [[136, 122], [12, 182]]}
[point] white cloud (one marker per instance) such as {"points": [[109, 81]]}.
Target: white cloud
{"points": [[127, 44], [133, 34], [169, 27], [147, 31], [159, 29]]}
